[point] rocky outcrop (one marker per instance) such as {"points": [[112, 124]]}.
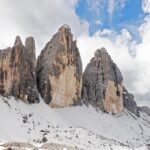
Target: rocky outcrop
{"points": [[58, 75], [59, 70], [17, 71], [129, 102], [103, 83], [144, 109], [30, 47]]}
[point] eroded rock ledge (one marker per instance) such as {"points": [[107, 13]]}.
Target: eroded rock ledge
{"points": [[59, 70], [17, 71]]}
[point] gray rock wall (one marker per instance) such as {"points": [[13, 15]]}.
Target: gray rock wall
{"points": [[17, 73], [103, 83], [129, 102], [59, 70], [58, 75]]}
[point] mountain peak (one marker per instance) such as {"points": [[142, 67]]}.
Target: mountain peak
{"points": [[59, 66], [99, 51], [18, 41], [30, 43], [65, 27]]}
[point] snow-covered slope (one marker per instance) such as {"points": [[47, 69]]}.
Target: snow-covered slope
{"points": [[80, 127]]}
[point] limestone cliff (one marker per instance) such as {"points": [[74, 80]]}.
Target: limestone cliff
{"points": [[59, 70], [57, 75], [17, 72], [129, 102], [103, 83], [30, 47]]}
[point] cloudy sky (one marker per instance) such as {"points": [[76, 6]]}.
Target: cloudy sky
{"points": [[121, 26]]}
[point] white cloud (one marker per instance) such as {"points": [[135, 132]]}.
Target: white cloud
{"points": [[38, 18], [121, 3], [98, 22], [112, 5], [146, 5], [95, 5]]}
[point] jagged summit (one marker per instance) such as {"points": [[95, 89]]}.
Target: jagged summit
{"points": [[65, 26], [65, 29], [18, 41], [99, 51], [30, 43]]}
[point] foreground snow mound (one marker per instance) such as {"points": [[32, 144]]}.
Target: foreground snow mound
{"points": [[78, 127]]}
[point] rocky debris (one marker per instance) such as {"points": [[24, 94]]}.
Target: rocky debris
{"points": [[148, 146], [103, 83], [25, 119], [59, 70], [17, 146], [129, 103], [44, 139], [9, 148], [144, 109], [6, 102], [46, 146], [53, 146], [45, 132], [17, 72]]}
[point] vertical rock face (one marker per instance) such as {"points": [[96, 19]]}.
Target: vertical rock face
{"points": [[59, 70], [144, 109], [103, 83], [30, 46], [17, 73], [129, 102]]}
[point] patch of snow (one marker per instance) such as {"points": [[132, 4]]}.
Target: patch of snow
{"points": [[79, 126]]}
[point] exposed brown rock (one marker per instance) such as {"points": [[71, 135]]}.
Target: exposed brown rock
{"points": [[17, 73], [59, 70]]}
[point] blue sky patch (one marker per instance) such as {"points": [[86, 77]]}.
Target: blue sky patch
{"points": [[125, 14]]}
